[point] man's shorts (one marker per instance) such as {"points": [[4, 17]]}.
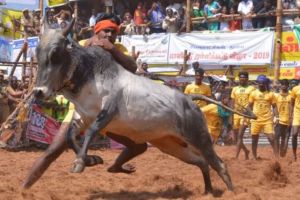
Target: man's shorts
{"points": [[261, 127], [296, 119], [238, 121]]}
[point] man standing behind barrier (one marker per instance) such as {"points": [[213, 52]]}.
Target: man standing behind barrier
{"points": [[240, 99], [282, 126], [198, 87], [261, 102], [295, 103]]}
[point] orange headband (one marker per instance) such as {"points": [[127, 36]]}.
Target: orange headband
{"points": [[104, 24]]}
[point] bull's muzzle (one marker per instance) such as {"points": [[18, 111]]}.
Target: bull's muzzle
{"points": [[40, 92]]}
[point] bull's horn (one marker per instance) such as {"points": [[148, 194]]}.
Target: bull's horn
{"points": [[248, 113], [68, 29]]}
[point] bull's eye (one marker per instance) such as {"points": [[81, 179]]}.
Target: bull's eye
{"points": [[55, 56]]}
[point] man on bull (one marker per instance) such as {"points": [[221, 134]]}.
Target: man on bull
{"points": [[106, 31]]}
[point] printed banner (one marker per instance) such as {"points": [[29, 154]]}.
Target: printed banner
{"points": [[290, 47], [41, 128], [243, 48], [153, 48], [10, 17], [52, 3], [18, 44], [24, 2], [247, 48], [5, 50]]}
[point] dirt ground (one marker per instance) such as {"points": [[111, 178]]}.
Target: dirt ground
{"points": [[158, 176]]}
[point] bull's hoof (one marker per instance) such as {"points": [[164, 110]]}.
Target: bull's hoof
{"points": [[78, 166], [93, 160]]}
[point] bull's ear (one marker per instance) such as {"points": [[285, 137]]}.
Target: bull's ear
{"points": [[68, 29]]}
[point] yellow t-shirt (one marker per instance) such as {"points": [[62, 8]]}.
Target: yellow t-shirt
{"points": [[262, 105], [283, 102], [214, 121], [240, 95], [70, 113], [198, 89], [295, 94]]}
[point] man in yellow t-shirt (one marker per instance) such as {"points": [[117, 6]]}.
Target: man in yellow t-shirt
{"points": [[240, 99], [198, 87], [216, 117], [295, 104], [282, 124], [261, 102]]}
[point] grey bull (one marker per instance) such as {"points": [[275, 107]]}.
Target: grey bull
{"points": [[131, 106]]}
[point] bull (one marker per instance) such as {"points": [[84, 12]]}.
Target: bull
{"points": [[109, 98]]}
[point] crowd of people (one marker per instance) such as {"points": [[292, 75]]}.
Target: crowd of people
{"points": [[166, 16]]}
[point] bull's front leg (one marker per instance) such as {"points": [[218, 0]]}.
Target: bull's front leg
{"points": [[101, 121]]}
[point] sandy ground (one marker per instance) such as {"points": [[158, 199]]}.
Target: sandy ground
{"points": [[158, 176]]}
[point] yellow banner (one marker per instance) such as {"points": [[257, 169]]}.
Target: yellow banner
{"points": [[290, 48], [9, 19], [56, 2]]}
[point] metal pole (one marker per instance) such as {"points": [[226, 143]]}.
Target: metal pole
{"points": [[278, 41]]}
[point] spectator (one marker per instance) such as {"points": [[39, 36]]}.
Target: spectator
{"points": [[262, 101], [13, 93], [170, 23], [198, 11], [245, 9], [240, 99], [216, 117], [282, 124], [268, 21], [51, 19], [128, 24], [224, 25], [63, 18], [140, 19], [287, 20], [234, 24], [156, 16], [3, 99], [257, 22], [211, 9], [37, 21], [143, 69], [27, 23], [199, 87], [92, 20]]}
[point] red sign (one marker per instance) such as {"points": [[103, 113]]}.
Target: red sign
{"points": [[41, 128]]}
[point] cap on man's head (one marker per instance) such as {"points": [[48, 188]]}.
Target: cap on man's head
{"points": [[262, 79], [25, 10]]}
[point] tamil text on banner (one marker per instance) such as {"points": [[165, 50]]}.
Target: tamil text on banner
{"points": [[52, 3], [247, 48], [153, 48], [5, 50], [18, 44], [11, 23], [41, 128]]}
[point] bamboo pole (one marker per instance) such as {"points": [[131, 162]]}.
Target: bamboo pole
{"points": [[185, 59], [24, 48], [41, 6], [188, 16], [24, 63], [76, 18], [278, 42]]}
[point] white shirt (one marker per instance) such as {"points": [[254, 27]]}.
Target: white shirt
{"points": [[246, 8], [92, 20]]}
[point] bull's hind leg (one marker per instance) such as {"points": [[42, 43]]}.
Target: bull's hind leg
{"points": [[180, 149], [217, 164]]}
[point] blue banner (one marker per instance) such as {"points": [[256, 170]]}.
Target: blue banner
{"points": [[5, 50]]}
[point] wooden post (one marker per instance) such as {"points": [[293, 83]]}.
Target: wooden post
{"points": [[25, 64], [278, 41], [76, 18], [188, 16], [24, 48], [41, 6]]}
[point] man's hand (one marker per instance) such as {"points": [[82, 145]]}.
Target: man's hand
{"points": [[104, 43]]}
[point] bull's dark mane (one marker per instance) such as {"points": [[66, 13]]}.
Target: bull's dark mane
{"points": [[88, 61]]}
